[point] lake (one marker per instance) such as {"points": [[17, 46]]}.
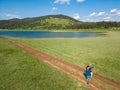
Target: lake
{"points": [[45, 34]]}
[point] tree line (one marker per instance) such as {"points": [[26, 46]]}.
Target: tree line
{"points": [[90, 25]]}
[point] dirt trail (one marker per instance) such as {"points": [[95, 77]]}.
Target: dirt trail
{"points": [[71, 70]]}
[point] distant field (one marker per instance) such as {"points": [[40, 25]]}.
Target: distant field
{"points": [[68, 30], [103, 52], [87, 30], [22, 71]]}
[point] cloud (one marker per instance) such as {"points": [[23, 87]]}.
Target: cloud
{"points": [[62, 1], [115, 12], [9, 16], [97, 14], [54, 8], [93, 14], [112, 15], [118, 13], [66, 1], [101, 14], [107, 18], [76, 16], [80, 1]]}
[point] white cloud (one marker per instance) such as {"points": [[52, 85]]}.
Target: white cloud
{"points": [[118, 13], [101, 14], [54, 8], [112, 15], [113, 10], [10, 16], [80, 1], [107, 18], [62, 1], [76, 16], [93, 14], [97, 14]]}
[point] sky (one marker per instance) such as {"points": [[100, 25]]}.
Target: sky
{"points": [[82, 10]]}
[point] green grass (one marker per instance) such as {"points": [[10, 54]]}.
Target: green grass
{"points": [[68, 30], [102, 30], [103, 52], [22, 71]]}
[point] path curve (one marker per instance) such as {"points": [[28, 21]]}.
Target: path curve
{"points": [[66, 67]]}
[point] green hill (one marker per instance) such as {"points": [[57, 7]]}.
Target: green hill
{"points": [[43, 22], [54, 22]]}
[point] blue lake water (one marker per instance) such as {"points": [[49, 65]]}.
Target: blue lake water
{"points": [[44, 34]]}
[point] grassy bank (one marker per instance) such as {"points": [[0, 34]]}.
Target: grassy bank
{"points": [[86, 30], [22, 71], [67, 30], [103, 52]]}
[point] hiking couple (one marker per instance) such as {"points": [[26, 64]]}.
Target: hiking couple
{"points": [[88, 72]]}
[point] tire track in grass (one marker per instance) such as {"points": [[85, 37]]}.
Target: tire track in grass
{"points": [[68, 68]]}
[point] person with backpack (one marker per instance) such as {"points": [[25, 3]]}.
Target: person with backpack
{"points": [[88, 72]]}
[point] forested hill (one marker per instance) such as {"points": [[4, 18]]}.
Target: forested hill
{"points": [[43, 22], [54, 22]]}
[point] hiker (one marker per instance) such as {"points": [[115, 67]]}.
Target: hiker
{"points": [[88, 72]]}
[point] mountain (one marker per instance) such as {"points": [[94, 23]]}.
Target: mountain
{"points": [[43, 22]]}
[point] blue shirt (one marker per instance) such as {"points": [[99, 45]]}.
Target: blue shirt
{"points": [[88, 71]]}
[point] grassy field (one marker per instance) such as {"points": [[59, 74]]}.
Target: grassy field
{"points": [[22, 71], [68, 30], [103, 52]]}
